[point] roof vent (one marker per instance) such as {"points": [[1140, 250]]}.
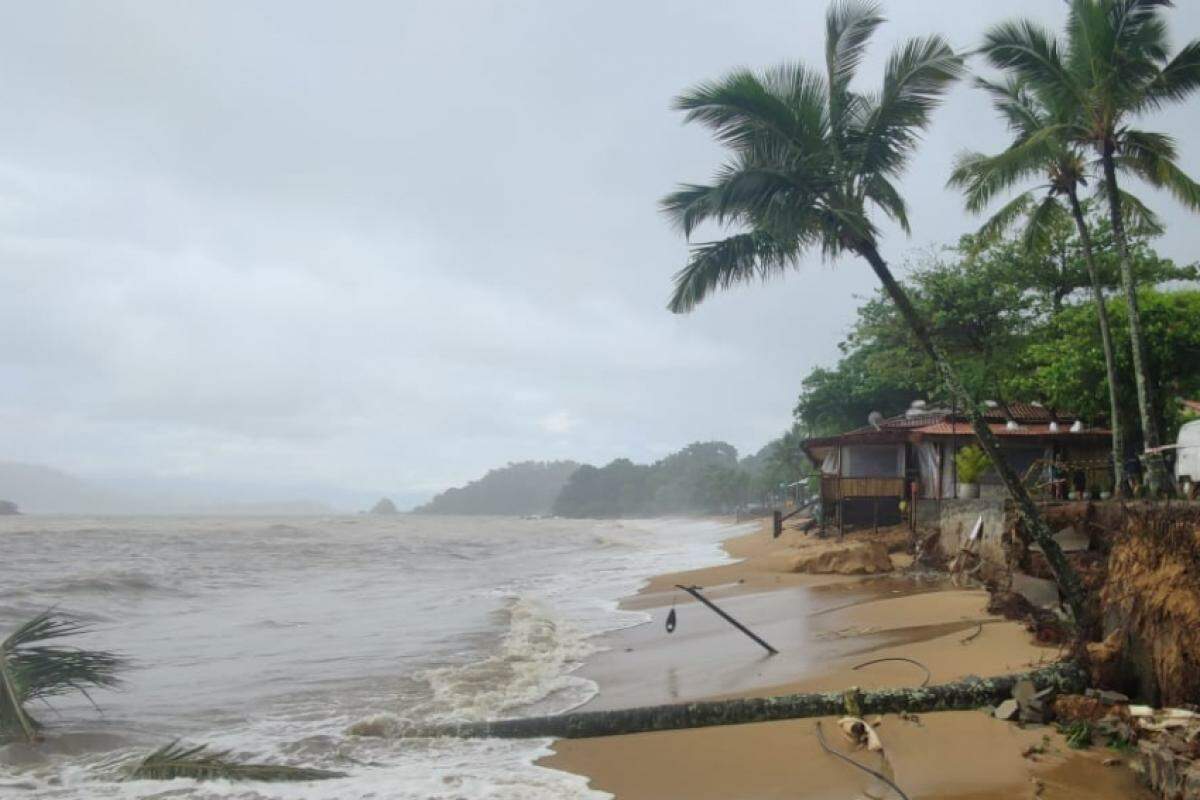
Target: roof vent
{"points": [[1077, 426], [875, 420], [917, 409]]}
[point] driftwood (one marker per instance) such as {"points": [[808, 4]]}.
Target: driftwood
{"points": [[1064, 678]]}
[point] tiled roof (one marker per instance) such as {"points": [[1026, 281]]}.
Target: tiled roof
{"points": [[1033, 419], [1027, 412], [1001, 429]]}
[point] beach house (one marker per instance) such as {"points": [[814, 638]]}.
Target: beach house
{"points": [[867, 473]]}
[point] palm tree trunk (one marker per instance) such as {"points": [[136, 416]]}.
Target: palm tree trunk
{"points": [[1156, 477], [1110, 365], [1063, 677], [1067, 579]]}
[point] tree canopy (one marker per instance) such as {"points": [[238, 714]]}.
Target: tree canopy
{"points": [[1018, 326]]}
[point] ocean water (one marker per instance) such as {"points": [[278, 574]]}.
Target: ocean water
{"points": [[273, 637]]}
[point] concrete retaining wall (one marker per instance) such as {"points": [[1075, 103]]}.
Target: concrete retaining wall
{"points": [[957, 519]]}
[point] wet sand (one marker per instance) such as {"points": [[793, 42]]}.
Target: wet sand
{"points": [[823, 626]]}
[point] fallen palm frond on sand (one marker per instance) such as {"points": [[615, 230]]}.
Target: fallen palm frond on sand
{"points": [[32, 670], [176, 760]]}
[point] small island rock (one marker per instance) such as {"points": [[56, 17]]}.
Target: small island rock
{"points": [[384, 506], [8, 508]]}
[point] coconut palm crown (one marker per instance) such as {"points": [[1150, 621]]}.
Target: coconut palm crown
{"points": [[1113, 65], [809, 155]]}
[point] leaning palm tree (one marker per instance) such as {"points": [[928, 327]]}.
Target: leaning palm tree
{"points": [[808, 156], [31, 669], [1041, 149], [1113, 66]]}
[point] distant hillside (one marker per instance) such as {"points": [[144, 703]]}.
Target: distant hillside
{"points": [[529, 487], [702, 478], [43, 490], [38, 489]]}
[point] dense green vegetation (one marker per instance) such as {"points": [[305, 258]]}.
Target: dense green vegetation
{"points": [[528, 487], [1017, 326], [1076, 102]]}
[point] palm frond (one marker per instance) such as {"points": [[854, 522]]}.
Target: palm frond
{"points": [[1139, 220], [1005, 218], [742, 191], [1176, 81], [742, 107], [719, 265], [916, 77], [30, 670], [1043, 221], [848, 27], [983, 177], [1014, 103], [884, 194], [176, 760], [1137, 28], [1033, 55], [1151, 156]]}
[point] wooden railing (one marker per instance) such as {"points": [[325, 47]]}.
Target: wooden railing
{"points": [[834, 487]]}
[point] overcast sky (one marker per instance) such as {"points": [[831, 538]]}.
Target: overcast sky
{"points": [[384, 246]]}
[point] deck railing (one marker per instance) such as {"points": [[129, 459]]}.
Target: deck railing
{"points": [[835, 487]]}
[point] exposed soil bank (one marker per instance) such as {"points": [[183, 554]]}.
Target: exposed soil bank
{"points": [[1151, 606]]}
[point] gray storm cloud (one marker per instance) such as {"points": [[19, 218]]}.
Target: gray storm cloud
{"points": [[386, 246]]}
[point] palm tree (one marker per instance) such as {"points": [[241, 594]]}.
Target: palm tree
{"points": [[1113, 66], [1041, 149], [809, 155]]}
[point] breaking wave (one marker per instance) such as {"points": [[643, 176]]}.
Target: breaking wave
{"points": [[530, 671]]}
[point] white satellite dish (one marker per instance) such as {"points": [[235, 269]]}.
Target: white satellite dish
{"points": [[875, 420]]}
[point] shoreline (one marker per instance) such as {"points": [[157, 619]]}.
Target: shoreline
{"points": [[823, 625]]}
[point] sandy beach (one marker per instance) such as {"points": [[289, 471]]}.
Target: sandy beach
{"points": [[823, 625]]}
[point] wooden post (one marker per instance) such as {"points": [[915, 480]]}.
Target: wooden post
{"points": [[776, 523]]}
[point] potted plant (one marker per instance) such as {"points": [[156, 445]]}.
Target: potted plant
{"points": [[971, 462]]}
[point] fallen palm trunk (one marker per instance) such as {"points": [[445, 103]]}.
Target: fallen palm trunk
{"points": [[1064, 677]]}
